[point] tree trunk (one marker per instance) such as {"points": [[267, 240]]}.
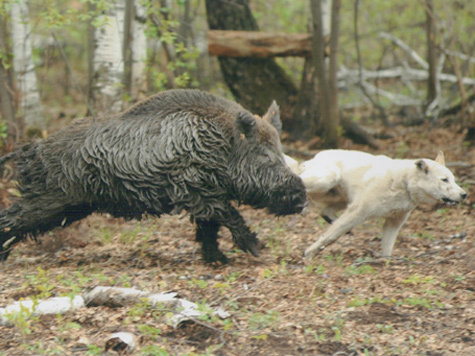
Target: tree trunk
{"points": [[139, 49], [7, 106], [24, 69], [319, 60], [128, 39], [332, 123], [432, 83], [107, 61], [135, 48], [254, 82]]}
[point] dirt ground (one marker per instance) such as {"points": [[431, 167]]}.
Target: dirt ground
{"points": [[346, 302]]}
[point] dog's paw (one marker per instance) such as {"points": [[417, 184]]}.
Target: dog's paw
{"points": [[312, 251]]}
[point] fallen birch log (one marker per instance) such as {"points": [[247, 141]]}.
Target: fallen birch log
{"points": [[353, 75], [179, 309], [29, 307]]}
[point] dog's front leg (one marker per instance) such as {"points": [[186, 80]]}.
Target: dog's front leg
{"points": [[351, 217], [391, 228]]}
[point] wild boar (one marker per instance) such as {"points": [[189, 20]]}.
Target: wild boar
{"points": [[180, 150]]}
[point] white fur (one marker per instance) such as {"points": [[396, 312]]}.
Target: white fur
{"points": [[367, 186], [293, 164]]}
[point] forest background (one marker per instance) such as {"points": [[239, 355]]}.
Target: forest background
{"points": [[394, 78], [409, 58]]}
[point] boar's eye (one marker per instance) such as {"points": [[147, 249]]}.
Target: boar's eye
{"points": [[266, 157], [445, 180]]}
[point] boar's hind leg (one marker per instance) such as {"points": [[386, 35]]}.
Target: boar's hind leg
{"points": [[33, 217], [207, 234]]}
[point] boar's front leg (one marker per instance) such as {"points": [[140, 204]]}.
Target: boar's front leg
{"points": [[207, 234], [243, 237]]}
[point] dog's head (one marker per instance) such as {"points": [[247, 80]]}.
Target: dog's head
{"points": [[434, 182]]}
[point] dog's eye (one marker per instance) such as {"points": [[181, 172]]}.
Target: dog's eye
{"points": [[445, 180]]}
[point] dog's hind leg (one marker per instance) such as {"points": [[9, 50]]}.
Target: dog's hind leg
{"points": [[391, 228], [350, 218]]}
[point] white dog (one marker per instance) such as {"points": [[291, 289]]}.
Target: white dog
{"points": [[368, 186]]}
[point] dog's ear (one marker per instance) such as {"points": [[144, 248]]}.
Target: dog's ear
{"points": [[440, 159], [422, 165]]}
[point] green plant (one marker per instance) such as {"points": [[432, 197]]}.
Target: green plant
{"points": [[128, 237], [3, 128], [422, 302], [105, 235], [425, 235], [62, 326], [418, 279], [222, 286], [385, 328], [337, 333], [200, 283], [358, 302], [161, 25], [318, 336], [37, 348], [154, 350], [139, 309], [41, 282], [311, 268], [207, 314], [150, 331], [460, 278], [258, 321], [94, 350], [338, 258], [356, 270], [22, 319]]}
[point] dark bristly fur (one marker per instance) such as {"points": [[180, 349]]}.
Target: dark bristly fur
{"points": [[178, 150]]}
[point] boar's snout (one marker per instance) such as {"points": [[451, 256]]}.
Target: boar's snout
{"points": [[290, 198]]}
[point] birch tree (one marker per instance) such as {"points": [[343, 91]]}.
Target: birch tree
{"points": [[139, 47], [107, 62], [24, 68], [7, 111]]}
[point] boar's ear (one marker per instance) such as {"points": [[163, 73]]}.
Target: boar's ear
{"points": [[246, 125], [422, 165], [440, 159], [272, 116]]}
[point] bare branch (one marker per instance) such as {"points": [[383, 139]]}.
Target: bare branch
{"points": [[406, 48]]}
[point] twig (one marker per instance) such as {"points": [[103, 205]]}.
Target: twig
{"points": [[406, 48], [396, 99]]}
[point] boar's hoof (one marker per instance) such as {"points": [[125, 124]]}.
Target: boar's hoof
{"points": [[214, 256]]}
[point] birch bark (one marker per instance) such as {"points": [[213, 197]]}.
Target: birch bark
{"points": [[139, 48], [107, 61], [24, 68]]}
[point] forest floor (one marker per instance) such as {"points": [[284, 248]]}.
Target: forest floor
{"points": [[347, 301]]}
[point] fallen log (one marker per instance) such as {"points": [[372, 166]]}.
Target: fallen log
{"points": [[113, 297], [259, 44]]}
